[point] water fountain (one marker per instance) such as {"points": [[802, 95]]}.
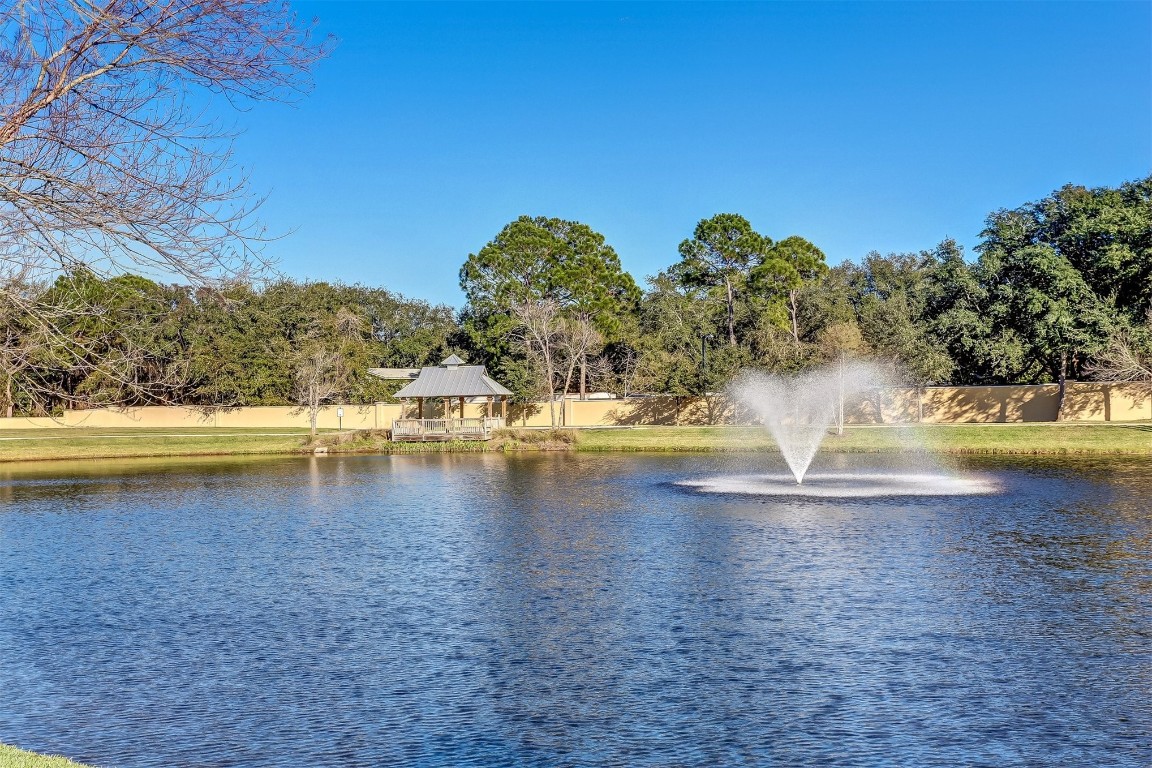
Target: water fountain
{"points": [[799, 410]]}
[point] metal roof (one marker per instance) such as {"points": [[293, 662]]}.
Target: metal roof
{"points": [[451, 379], [394, 374]]}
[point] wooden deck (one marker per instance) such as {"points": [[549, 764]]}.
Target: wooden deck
{"points": [[428, 430]]}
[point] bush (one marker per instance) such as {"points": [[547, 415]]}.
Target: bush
{"points": [[541, 439]]}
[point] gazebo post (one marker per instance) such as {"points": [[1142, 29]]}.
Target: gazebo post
{"points": [[489, 407], [447, 408], [504, 408], [419, 407], [461, 406]]}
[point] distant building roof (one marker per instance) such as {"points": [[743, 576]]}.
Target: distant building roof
{"points": [[453, 379], [394, 374]]}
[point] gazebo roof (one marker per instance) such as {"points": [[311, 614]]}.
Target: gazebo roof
{"points": [[453, 379]]}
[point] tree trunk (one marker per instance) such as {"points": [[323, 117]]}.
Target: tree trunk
{"points": [[8, 394], [840, 404], [731, 313], [1063, 381], [313, 410], [792, 312], [583, 375], [564, 394], [550, 372]]}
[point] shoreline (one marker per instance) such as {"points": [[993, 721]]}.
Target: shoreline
{"points": [[1035, 439], [14, 757]]}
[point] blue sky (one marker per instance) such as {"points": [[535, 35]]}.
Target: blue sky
{"points": [[861, 126]]}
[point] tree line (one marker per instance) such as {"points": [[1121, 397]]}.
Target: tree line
{"points": [[114, 163], [1060, 289]]}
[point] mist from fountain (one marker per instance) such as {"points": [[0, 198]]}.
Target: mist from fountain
{"points": [[799, 409]]}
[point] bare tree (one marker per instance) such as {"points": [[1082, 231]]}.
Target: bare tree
{"points": [[577, 338], [839, 342], [615, 369], [628, 368], [106, 156], [17, 345], [538, 329], [83, 341], [321, 376], [1122, 361], [109, 160], [557, 344]]}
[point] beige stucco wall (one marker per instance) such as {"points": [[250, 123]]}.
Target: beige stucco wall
{"points": [[1089, 402], [34, 422], [1085, 401], [153, 417], [174, 417]]}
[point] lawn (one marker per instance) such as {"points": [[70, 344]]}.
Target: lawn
{"points": [[78, 443], [66, 444], [10, 757], [1135, 438], [23, 445]]}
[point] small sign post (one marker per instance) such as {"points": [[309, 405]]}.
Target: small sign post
{"points": [[340, 418]]}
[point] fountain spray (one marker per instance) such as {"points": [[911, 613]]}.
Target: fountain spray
{"points": [[798, 409]]}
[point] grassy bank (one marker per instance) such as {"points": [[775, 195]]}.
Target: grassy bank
{"points": [[10, 757], [25, 445], [1026, 439], [42, 444], [1055, 439]]}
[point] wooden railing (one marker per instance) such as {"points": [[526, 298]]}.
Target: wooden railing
{"points": [[446, 429]]}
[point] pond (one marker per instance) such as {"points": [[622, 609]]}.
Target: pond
{"points": [[572, 609]]}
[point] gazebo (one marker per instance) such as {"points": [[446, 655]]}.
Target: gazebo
{"points": [[452, 381]]}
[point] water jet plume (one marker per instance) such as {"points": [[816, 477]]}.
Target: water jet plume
{"points": [[798, 409]]}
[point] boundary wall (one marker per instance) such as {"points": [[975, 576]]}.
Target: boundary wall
{"points": [[1085, 402]]}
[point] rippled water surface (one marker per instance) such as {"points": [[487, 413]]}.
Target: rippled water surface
{"points": [[573, 610]]}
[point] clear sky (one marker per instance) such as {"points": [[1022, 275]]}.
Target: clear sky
{"points": [[860, 126]]}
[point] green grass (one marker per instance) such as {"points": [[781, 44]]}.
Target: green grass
{"points": [[80, 443], [76, 444], [10, 757], [26, 445], [1031, 439]]}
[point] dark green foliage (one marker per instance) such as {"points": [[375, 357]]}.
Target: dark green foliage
{"points": [[1062, 289], [536, 260], [131, 341], [894, 294], [719, 258], [109, 342], [1062, 274]]}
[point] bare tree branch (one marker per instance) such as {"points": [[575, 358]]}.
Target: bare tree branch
{"points": [[110, 164], [106, 156], [1121, 361]]}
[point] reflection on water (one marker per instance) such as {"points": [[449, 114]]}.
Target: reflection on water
{"points": [[572, 610]]}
